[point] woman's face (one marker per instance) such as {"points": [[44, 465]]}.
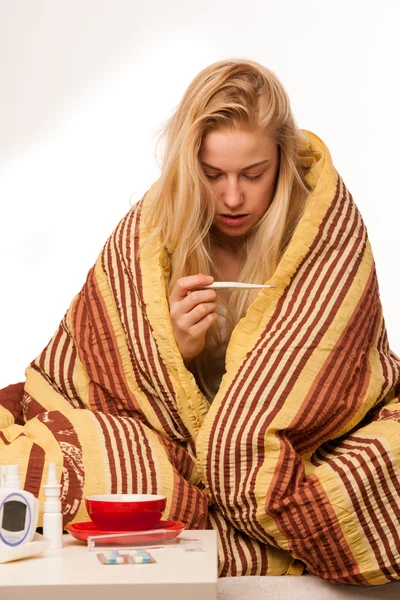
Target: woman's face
{"points": [[242, 166]]}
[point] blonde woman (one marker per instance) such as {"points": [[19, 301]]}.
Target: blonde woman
{"points": [[232, 190], [271, 415]]}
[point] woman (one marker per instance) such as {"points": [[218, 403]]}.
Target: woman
{"points": [[271, 416], [242, 148]]}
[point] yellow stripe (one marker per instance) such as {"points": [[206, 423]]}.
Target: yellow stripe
{"points": [[37, 432], [93, 447], [80, 377], [11, 433], [317, 361], [246, 333], [6, 418], [119, 336], [349, 524], [164, 471], [43, 393], [191, 404], [316, 364], [139, 343]]}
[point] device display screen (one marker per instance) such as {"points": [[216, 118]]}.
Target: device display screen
{"points": [[14, 514]]}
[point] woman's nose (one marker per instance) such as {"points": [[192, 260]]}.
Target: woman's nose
{"points": [[232, 194]]}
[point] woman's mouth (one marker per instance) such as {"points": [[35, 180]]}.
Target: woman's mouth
{"points": [[233, 220]]}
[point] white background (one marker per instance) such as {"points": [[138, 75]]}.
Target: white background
{"points": [[86, 85]]}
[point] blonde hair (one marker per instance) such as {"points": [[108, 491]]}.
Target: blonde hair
{"points": [[224, 95]]}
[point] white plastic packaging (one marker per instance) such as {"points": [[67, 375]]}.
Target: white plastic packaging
{"points": [[52, 516], [19, 511], [11, 476]]}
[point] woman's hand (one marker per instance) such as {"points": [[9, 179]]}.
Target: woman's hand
{"points": [[192, 314]]}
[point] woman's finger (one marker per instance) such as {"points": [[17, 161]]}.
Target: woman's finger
{"points": [[200, 312], [193, 299], [185, 284]]}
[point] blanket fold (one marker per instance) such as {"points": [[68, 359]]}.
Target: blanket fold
{"points": [[295, 463]]}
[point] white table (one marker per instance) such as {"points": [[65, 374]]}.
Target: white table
{"points": [[74, 573]]}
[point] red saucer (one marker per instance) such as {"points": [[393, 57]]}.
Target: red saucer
{"points": [[170, 530]]}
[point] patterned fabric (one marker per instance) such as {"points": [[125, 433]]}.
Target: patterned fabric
{"points": [[295, 463]]}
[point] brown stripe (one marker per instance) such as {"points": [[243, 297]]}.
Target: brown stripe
{"points": [[129, 460], [338, 456], [142, 376], [223, 554], [34, 472], [316, 421], [80, 327], [101, 419], [40, 361], [72, 479], [229, 556], [361, 518], [118, 285], [242, 567], [231, 540], [149, 459], [377, 460], [167, 392], [389, 361], [388, 497], [180, 511], [4, 439], [141, 456], [31, 407], [262, 568], [53, 347], [116, 375], [11, 399], [317, 540], [70, 368], [333, 558], [123, 465], [102, 346], [86, 346], [121, 303], [67, 367], [394, 478]]}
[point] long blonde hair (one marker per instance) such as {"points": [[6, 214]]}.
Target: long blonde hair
{"points": [[226, 94]]}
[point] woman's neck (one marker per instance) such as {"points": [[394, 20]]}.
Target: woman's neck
{"points": [[227, 263], [230, 244]]}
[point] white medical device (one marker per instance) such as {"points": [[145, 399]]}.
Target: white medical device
{"points": [[19, 510]]}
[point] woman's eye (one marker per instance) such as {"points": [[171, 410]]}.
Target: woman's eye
{"points": [[252, 177], [249, 177]]}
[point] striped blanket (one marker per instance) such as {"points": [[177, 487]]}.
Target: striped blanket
{"points": [[295, 463]]}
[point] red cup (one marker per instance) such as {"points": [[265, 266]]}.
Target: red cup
{"points": [[125, 512]]}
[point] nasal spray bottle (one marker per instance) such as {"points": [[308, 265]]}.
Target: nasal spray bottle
{"points": [[52, 516]]}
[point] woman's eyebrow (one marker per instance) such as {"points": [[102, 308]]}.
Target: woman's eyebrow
{"points": [[244, 169]]}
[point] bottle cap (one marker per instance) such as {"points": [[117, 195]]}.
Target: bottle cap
{"points": [[3, 474], [12, 479], [52, 487]]}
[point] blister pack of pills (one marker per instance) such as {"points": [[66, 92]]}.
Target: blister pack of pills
{"points": [[127, 557]]}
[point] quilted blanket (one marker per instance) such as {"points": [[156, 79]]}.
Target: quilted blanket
{"points": [[296, 462]]}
